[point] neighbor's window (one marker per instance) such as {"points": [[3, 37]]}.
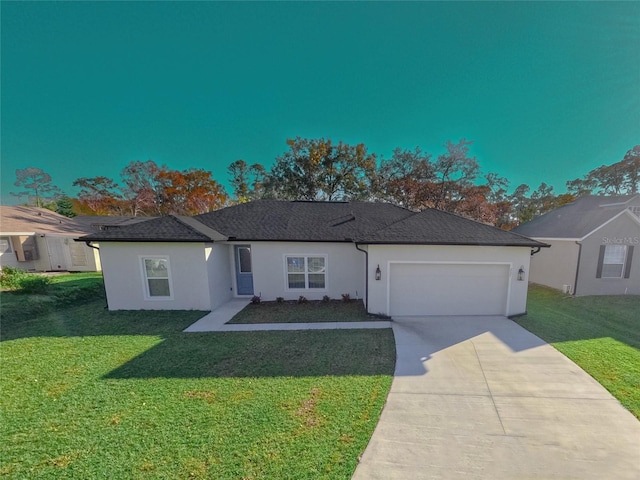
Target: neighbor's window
{"points": [[306, 272], [157, 277], [613, 261], [5, 245]]}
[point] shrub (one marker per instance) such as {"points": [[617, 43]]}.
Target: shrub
{"points": [[15, 279], [11, 277], [346, 297], [302, 299], [255, 300], [326, 299], [34, 284], [280, 300]]}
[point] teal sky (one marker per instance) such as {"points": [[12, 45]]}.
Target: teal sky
{"points": [[547, 91]]}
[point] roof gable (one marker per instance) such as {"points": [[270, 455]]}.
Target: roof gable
{"points": [[577, 219]]}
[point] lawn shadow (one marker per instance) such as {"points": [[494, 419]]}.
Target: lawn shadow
{"points": [[265, 354]]}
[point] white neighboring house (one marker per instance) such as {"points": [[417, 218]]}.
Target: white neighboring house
{"points": [[594, 242], [39, 240], [397, 261]]}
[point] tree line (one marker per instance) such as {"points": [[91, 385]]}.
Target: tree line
{"points": [[320, 169]]}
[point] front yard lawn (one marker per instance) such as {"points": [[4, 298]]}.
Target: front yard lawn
{"points": [[599, 333], [308, 312], [88, 393]]}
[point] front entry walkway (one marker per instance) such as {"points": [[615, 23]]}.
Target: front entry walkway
{"points": [[482, 398], [216, 321]]}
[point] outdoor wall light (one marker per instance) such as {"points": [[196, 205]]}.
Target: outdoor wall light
{"points": [[521, 274], [378, 273]]}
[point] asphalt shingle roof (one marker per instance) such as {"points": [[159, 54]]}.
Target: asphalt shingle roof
{"points": [[170, 228], [579, 218], [20, 219], [274, 220]]}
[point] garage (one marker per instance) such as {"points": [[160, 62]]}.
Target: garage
{"points": [[435, 288]]}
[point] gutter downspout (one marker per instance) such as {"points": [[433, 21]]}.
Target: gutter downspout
{"points": [[366, 275], [575, 284], [104, 285]]}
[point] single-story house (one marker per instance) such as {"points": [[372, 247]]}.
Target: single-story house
{"points": [[37, 239], [592, 246], [399, 262]]}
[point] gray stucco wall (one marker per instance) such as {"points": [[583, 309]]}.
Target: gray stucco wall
{"points": [[555, 266], [624, 230]]}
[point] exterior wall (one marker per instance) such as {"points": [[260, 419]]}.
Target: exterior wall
{"points": [[383, 255], [54, 253], [124, 281], [555, 266], [219, 271], [345, 269], [624, 230]]}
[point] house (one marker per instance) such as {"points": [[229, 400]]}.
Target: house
{"points": [[398, 261], [592, 246], [37, 239]]}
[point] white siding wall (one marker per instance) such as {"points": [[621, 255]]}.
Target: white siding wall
{"points": [[124, 280], [384, 254], [219, 270], [345, 269]]}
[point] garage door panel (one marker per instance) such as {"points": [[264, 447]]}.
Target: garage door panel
{"points": [[448, 289]]}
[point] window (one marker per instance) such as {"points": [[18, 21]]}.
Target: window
{"points": [[5, 245], [615, 261], [306, 272], [244, 259], [157, 277]]}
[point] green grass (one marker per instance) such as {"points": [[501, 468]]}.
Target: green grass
{"points": [[599, 333], [88, 393], [310, 312]]}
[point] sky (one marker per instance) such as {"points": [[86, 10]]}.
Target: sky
{"points": [[546, 91]]}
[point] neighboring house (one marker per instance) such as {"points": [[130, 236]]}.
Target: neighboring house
{"points": [[37, 239], [399, 262], [594, 244]]}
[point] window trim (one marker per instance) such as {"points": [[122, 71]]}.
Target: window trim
{"points": [[145, 279], [306, 256], [625, 264], [10, 250]]}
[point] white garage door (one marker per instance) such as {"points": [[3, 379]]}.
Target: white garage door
{"points": [[448, 289]]}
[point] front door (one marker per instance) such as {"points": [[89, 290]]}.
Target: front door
{"points": [[244, 275]]}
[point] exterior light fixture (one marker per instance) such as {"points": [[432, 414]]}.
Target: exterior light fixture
{"points": [[378, 273], [521, 274]]}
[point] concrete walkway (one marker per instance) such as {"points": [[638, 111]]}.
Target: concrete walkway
{"points": [[482, 398], [216, 320]]}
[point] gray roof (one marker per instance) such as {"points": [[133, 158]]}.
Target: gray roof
{"points": [[579, 218], [274, 220], [170, 228], [98, 222]]}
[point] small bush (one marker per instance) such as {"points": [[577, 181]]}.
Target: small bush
{"points": [[346, 297], [326, 299], [280, 300], [302, 299], [255, 300], [34, 284], [11, 277], [15, 279]]}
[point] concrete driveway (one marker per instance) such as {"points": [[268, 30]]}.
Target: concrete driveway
{"points": [[480, 397]]}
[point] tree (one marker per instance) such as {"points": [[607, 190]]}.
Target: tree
{"points": [[37, 184], [316, 169], [618, 178], [189, 192], [247, 181], [64, 206], [100, 194]]}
